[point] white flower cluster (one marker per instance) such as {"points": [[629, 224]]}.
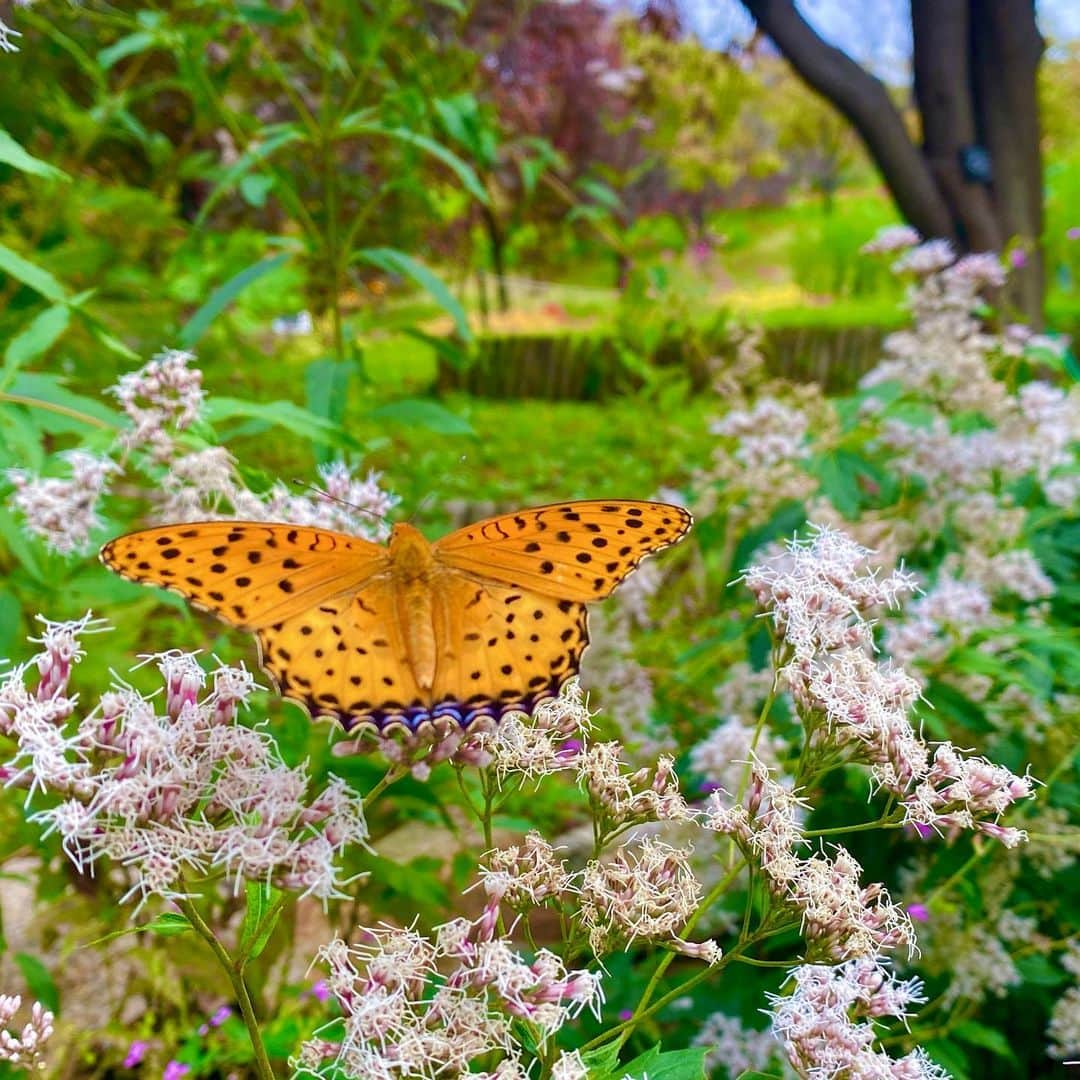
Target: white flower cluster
{"points": [[170, 788], [204, 485], [24, 1049], [418, 1006], [818, 593], [734, 1048], [162, 399], [1063, 1031], [63, 512], [541, 744], [165, 393], [622, 798], [826, 1023], [763, 458], [840, 917], [646, 890]]}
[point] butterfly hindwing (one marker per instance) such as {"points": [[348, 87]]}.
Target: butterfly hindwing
{"points": [[575, 551], [250, 574], [505, 647], [346, 658]]}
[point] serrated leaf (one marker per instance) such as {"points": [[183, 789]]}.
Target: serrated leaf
{"points": [[12, 153], [223, 296], [417, 412], [392, 261], [602, 1061], [39, 981], [654, 1064]]}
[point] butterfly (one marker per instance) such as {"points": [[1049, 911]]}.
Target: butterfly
{"points": [[490, 618]]}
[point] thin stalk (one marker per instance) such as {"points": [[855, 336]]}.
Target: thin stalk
{"points": [[879, 823], [48, 406], [642, 1009], [234, 971]]}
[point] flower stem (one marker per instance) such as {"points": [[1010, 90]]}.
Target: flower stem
{"points": [[234, 970]]}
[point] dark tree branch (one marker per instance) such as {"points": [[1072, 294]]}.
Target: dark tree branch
{"points": [[866, 103]]}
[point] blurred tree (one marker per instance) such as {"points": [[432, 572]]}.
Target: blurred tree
{"points": [[699, 105], [976, 177]]}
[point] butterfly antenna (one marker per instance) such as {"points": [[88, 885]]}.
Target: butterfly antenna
{"points": [[341, 502], [428, 498]]}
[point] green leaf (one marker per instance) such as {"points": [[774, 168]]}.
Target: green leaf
{"points": [[273, 140], [602, 194], [456, 355], [948, 1055], [11, 153], [1038, 970], [359, 124], [260, 918], [255, 187], [326, 385], [39, 981], [988, 1038], [168, 924], [39, 279], [284, 414], [603, 1060], [50, 390], [10, 622], [223, 296], [416, 412], [42, 333], [392, 261], [130, 45], [672, 1065]]}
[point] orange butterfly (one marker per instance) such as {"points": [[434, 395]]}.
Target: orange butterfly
{"points": [[488, 619]]}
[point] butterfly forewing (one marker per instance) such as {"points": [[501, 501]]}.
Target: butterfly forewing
{"points": [[574, 551], [250, 574]]}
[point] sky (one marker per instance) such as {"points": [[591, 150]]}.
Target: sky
{"points": [[874, 32]]}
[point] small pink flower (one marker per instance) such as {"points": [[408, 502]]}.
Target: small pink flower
{"points": [[625, 1014], [1073, 233], [923, 830], [1018, 258], [220, 1016], [320, 992], [919, 912], [136, 1052], [174, 1070]]}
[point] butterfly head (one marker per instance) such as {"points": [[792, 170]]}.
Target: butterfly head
{"points": [[410, 552]]}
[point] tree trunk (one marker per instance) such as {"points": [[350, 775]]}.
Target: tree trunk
{"points": [[866, 103], [941, 32], [1006, 48], [975, 65]]}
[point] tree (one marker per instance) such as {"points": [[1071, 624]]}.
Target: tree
{"points": [[976, 176]]}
